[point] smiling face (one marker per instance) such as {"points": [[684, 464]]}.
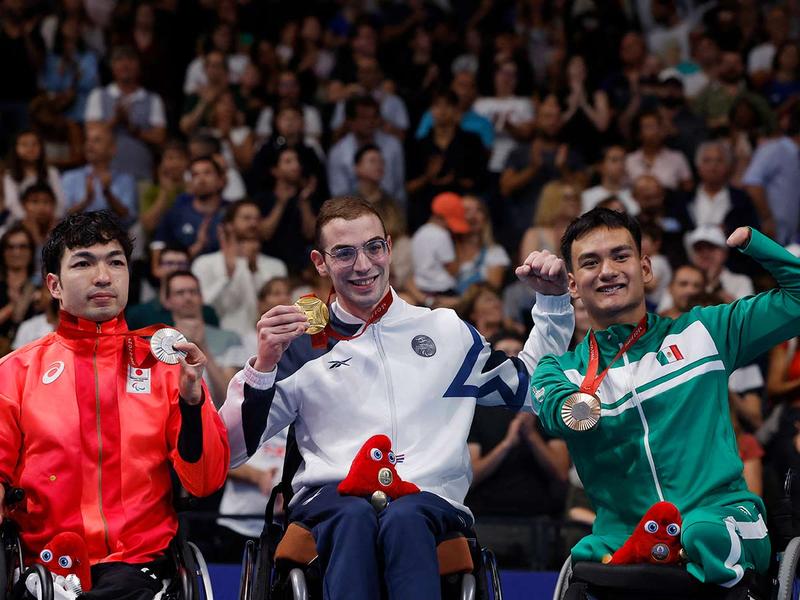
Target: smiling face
{"points": [[360, 286], [609, 274], [93, 283]]}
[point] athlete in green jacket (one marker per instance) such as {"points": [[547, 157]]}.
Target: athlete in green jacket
{"points": [[664, 431]]}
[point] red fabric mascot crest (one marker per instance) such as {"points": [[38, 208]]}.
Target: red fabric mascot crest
{"points": [[66, 554], [656, 539], [374, 469]]}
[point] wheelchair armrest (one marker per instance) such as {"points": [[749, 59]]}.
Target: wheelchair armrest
{"points": [[647, 579], [297, 545]]}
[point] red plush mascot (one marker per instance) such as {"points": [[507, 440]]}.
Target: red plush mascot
{"points": [[656, 539], [374, 470], [66, 554]]}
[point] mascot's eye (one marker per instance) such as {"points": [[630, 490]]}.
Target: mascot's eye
{"points": [[391, 457], [651, 527], [65, 562], [673, 529], [376, 454], [46, 555]]}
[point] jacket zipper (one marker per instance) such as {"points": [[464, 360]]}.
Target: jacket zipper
{"points": [[390, 388], [99, 443], [646, 425]]}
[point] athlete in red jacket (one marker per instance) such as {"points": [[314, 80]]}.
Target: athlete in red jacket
{"points": [[89, 435]]}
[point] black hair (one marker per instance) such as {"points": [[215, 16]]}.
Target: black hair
{"points": [[363, 150], [40, 187], [16, 168], [14, 230], [175, 143], [82, 230], [212, 144], [209, 159], [173, 275], [445, 94], [506, 334], [595, 219], [233, 208], [351, 106]]}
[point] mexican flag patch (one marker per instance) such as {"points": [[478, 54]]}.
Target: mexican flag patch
{"points": [[668, 355]]}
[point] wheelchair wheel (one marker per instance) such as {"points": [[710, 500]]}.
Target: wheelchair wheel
{"points": [[490, 562], [563, 579], [298, 581], [45, 588], [248, 571], [468, 587], [788, 576], [201, 572]]}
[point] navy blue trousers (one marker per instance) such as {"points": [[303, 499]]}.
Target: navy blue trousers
{"points": [[356, 546]]}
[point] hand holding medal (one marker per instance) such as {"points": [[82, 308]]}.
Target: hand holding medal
{"points": [[171, 346], [276, 329]]}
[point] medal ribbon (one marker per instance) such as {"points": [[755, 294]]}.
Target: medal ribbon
{"points": [[592, 381], [320, 340], [128, 336]]}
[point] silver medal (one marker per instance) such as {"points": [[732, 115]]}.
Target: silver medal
{"points": [[162, 345], [385, 477]]}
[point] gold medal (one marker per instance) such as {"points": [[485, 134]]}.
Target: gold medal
{"points": [[581, 411], [316, 313]]}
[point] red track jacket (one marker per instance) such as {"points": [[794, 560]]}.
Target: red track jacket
{"points": [[90, 439]]}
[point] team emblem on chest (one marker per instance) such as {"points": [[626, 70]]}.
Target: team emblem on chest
{"points": [[423, 345]]}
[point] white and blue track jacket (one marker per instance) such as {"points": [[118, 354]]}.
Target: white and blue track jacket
{"points": [[414, 375]]}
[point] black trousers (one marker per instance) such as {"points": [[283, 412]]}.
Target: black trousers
{"points": [[123, 581], [118, 581]]}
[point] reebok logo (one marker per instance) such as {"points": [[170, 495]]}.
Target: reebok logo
{"points": [[334, 364]]}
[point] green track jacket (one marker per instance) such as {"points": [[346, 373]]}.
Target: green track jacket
{"points": [[665, 431]]}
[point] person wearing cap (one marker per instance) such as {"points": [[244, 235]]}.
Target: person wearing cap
{"points": [[93, 425], [136, 115], [662, 430], [707, 250], [433, 249], [387, 367]]}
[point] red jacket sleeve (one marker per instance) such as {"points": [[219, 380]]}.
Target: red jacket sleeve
{"points": [[208, 473]]}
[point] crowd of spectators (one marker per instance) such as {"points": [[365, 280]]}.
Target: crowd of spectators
{"points": [[215, 129]]}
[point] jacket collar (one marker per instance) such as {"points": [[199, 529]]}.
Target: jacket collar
{"points": [[70, 323]]}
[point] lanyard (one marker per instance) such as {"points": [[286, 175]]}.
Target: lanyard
{"points": [[592, 381], [128, 336], [320, 340]]}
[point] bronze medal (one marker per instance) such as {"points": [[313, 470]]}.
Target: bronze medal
{"points": [[316, 312], [385, 476], [581, 411]]}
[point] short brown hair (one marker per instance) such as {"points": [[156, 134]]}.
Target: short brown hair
{"points": [[348, 208]]}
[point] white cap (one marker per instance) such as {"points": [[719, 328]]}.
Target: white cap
{"points": [[707, 233]]}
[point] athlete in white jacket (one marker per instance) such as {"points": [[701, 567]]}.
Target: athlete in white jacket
{"points": [[410, 373]]}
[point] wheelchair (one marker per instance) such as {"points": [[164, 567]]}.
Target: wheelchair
{"points": [[284, 565], [666, 582], [189, 580]]}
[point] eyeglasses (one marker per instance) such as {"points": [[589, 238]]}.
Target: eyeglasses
{"points": [[345, 256]]}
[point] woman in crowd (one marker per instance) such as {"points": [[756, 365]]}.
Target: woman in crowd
{"points": [[19, 295], [27, 165], [559, 203], [480, 259]]}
